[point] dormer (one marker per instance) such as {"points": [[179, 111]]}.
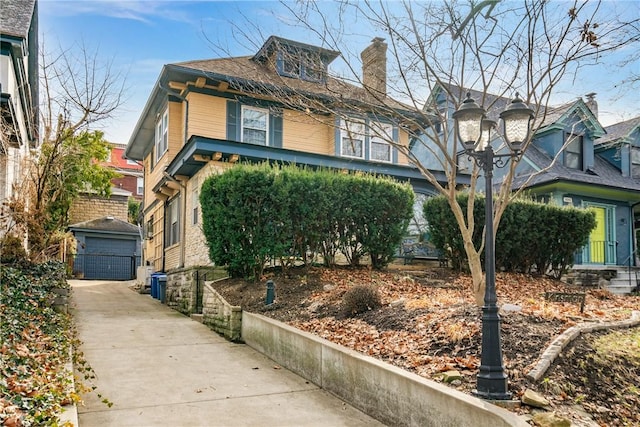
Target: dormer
{"points": [[297, 60]]}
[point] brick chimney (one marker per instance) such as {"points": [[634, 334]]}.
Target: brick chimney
{"points": [[374, 67], [591, 103]]}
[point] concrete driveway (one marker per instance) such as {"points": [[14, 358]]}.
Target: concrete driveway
{"points": [[160, 368]]}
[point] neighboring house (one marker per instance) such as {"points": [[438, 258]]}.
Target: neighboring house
{"points": [[108, 249], [573, 160], [131, 179], [204, 116], [18, 91]]}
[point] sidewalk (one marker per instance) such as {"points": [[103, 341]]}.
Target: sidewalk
{"points": [[159, 368]]}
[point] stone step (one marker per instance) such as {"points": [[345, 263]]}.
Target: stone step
{"points": [[197, 317], [620, 287]]}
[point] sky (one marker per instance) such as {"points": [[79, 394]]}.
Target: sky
{"points": [[139, 37]]}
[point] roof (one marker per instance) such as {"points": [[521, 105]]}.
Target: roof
{"points": [[495, 104], [106, 224], [246, 75], [619, 131], [601, 174], [16, 17]]}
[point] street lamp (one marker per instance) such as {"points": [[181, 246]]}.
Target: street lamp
{"points": [[474, 132]]}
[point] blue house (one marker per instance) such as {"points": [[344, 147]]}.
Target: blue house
{"points": [[574, 160]]}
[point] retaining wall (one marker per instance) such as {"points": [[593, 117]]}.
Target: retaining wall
{"points": [[385, 392]]}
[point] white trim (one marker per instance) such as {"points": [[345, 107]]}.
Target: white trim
{"points": [[349, 129], [266, 127], [386, 130], [162, 135]]}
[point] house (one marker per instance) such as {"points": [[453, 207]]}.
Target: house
{"points": [[574, 160], [18, 91], [278, 105], [130, 171]]}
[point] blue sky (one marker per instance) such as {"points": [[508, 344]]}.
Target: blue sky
{"points": [[140, 36]]}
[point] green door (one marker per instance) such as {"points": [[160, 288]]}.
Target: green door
{"points": [[598, 237]]}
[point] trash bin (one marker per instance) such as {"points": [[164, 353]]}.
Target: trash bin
{"points": [[162, 288], [154, 285]]}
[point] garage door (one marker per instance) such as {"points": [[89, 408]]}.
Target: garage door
{"points": [[109, 259]]}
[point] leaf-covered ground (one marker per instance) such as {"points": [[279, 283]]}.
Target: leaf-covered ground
{"points": [[428, 323], [35, 343]]}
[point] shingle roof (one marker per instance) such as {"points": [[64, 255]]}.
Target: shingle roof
{"points": [[602, 173], [247, 74], [15, 17], [108, 224], [619, 130]]}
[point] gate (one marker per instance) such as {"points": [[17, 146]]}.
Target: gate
{"points": [[106, 266]]}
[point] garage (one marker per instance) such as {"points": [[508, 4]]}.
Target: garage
{"points": [[107, 249]]}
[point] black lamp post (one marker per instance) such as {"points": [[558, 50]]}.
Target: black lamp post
{"points": [[474, 132]]}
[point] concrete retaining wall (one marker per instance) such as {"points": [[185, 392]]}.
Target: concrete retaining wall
{"points": [[389, 394]]}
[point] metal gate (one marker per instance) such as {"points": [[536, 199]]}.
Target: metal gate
{"points": [[106, 266]]}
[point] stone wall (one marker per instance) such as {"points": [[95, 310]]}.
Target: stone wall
{"points": [[182, 287], [86, 208], [219, 315]]}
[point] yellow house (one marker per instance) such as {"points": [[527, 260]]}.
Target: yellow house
{"points": [[279, 105]]}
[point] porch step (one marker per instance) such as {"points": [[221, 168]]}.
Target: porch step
{"points": [[620, 286]]}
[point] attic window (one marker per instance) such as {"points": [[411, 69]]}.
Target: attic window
{"points": [[573, 154], [635, 162], [300, 64]]}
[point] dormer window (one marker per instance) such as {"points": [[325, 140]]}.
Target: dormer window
{"points": [[635, 162], [573, 154], [301, 64], [294, 59]]}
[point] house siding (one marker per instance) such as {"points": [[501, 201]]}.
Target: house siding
{"points": [[207, 116], [312, 134], [196, 250]]}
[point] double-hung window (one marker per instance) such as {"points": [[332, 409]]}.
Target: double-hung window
{"points": [[139, 185], [255, 125], [573, 152], [162, 139], [352, 135], [635, 162], [173, 222], [380, 135]]}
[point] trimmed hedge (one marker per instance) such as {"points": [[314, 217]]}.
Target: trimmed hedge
{"points": [[256, 214], [532, 237]]}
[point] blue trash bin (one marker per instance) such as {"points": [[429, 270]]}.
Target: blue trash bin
{"points": [[162, 288], [154, 285]]}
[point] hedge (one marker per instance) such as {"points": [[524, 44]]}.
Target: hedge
{"points": [[532, 237], [253, 214]]}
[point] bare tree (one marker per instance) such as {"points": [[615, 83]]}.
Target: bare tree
{"points": [[492, 47], [78, 91]]}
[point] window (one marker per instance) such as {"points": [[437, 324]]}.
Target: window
{"points": [[573, 152], [173, 222], [140, 185], [162, 141], [635, 162], [381, 133], [150, 228], [352, 139], [255, 125], [195, 201]]}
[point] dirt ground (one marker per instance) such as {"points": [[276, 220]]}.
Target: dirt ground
{"points": [[427, 323]]}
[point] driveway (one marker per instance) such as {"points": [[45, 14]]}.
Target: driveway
{"points": [[160, 368]]}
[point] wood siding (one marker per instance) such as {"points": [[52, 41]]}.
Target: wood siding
{"points": [[207, 116], [312, 134]]}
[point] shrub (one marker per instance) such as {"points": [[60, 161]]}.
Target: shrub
{"points": [[359, 299], [531, 237], [253, 214]]}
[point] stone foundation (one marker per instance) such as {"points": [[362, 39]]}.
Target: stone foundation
{"points": [[182, 287]]}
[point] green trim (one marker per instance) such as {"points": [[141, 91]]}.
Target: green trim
{"points": [[588, 190]]}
